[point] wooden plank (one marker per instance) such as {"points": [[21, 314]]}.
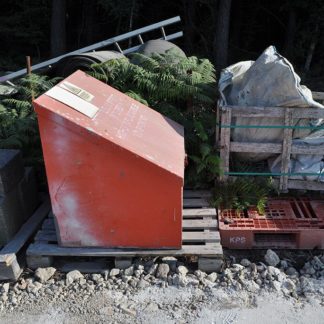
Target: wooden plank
{"points": [[200, 237], [304, 149], [275, 148], [217, 130], [9, 267], [198, 212], [48, 224], [187, 193], [83, 267], [20, 239], [186, 236], [286, 151], [39, 261], [225, 139], [255, 147], [274, 112], [48, 236], [318, 95], [306, 185], [195, 202], [44, 249], [199, 223], [186, 223], [302, 185]]}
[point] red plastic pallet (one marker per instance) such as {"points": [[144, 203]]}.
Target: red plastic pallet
{"points": [[293, 223]]}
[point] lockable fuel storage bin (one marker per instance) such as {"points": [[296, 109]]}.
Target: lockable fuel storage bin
{"points": [[115, 167]]}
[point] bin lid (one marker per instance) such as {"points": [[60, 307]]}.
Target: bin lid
{"points": [[117, 118]]}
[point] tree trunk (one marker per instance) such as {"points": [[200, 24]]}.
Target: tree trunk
{"points": [[131, 21], [189, 9], [222, 35], [290, 34], [89, 21], [311, 50], [238, 13], [58, 30]]}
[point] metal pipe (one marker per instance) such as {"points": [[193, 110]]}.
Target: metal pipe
{"points": [[109, 41]]}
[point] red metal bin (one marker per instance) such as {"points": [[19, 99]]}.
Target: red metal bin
{"points": [[115, 167]]}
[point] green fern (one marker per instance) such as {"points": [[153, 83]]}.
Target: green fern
{"points": [[161, 78], [19, 128], [180, 88], [242, 193]]}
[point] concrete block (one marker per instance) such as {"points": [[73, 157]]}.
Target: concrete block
{"points": [[123, 262], [9, 267], [11, 169], [28, 193], [11, 215], [17, 206]]}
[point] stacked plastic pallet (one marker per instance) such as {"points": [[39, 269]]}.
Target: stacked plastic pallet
{"points": [[290, 223]]}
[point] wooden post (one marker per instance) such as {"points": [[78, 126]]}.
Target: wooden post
{"points": [[286, 150], [28, 65], [225, 139], [218, 107], [29, 71]]}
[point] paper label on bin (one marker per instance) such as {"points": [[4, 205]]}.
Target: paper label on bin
{"points": [[73, 100], [83, 94]]}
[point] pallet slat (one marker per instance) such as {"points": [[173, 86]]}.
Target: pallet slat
{"points": [[225, 139], [47, 236], [187, 193], [186, 223], [274, 112], [195, 202], [242, 147], [200, 236], [49, 224], [189, 213], [55, 250], [286, 150], [303, 184], [199, 224]]}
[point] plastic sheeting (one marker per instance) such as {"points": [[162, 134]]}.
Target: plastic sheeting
{"points": [[268, 82]]}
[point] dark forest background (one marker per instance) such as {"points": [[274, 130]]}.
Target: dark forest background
{"points": [[225, 31]]}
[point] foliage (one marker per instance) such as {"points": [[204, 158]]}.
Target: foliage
{"points": [[25, 27], [24, 30], [179, 87], [19, 129], [162, 78], [243, 192]]}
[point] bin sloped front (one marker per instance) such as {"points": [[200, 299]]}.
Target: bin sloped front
{"points": [[115, 167]]}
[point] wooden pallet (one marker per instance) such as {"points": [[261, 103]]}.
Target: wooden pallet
{"points": [[200, 238], [10, 268], [286, 118]]}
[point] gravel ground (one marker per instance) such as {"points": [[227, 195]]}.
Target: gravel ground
{"points": [[167, 291]]}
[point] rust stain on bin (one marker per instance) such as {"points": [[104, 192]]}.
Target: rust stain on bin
{"points": [[115, 170]]}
